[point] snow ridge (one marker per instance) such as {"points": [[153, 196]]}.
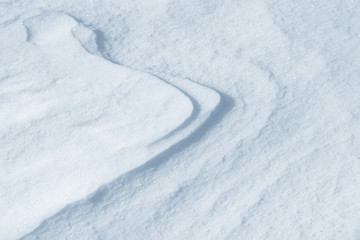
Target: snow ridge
{"points": [[119, 135]]}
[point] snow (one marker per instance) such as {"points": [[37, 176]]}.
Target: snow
{"points": [[169, 119]]}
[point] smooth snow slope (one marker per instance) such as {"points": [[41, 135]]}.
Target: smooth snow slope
{"points": [[172, 119]]}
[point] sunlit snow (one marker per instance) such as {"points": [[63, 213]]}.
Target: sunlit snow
{"points": [[179, 119]]}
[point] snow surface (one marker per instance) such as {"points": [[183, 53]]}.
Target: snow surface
{"points": [[180, 119]]}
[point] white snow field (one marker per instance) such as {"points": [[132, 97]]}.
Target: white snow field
{"points": [[180, 119]]}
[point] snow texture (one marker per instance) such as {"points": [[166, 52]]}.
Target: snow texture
{"points": [[179, 119]]}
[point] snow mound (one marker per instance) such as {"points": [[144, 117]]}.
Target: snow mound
{"points": [[49, 28], [74, 120]]}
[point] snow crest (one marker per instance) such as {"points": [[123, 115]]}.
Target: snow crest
{"points": [[76, 121]]}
